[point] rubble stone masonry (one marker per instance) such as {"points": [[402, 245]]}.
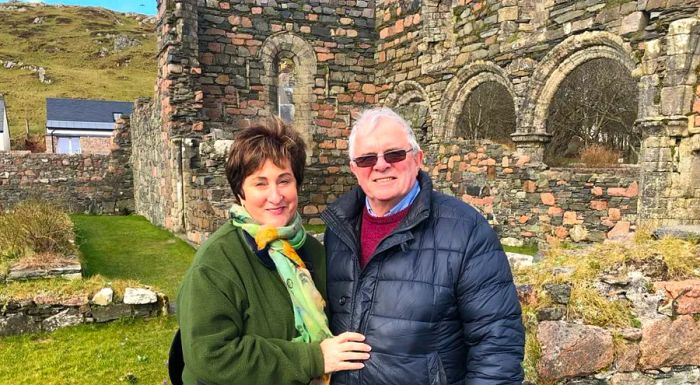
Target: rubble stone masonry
{"points": [[219, 63], [81, 183]]}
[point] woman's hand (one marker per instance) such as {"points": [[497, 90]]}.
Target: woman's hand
{"points": [[341, 352]]}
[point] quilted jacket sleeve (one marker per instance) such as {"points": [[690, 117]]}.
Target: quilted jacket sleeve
{"points": [[490, 311]]}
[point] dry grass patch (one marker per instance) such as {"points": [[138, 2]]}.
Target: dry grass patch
{"points": [[665, 259], [34, 227], [598, 155], [42, 261], [61, 290]]}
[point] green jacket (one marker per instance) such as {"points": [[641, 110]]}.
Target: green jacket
{"points": [[236, 316]]}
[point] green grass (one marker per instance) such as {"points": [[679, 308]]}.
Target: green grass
{"points": [[129, 247], [90, 354], [67, 45], [316, 229], [132, 351], [528, 250]]}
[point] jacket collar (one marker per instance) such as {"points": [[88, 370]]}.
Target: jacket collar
{"points": [[343, 215]]}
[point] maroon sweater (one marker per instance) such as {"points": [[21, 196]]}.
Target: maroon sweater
{"points": [[374, 229]]}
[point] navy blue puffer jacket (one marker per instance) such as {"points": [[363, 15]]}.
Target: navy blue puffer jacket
{"points": [[436, 301]]}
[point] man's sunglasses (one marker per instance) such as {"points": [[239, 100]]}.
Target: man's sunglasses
{"points": [[392, 156]]}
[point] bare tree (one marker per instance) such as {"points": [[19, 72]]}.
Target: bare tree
{"points": [[489, 113], [596, 103]]}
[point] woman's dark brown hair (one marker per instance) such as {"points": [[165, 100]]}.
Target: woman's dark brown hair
{"points": [[267, 139]]}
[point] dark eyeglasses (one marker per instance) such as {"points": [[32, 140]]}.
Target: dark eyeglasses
{"points": [[392, 156]]}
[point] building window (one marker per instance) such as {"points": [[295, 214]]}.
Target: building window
{"points": [[285, 89], [68, 145]]}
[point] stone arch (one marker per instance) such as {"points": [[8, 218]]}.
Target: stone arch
{"points": [[558, 63], [461, 87], [288, 45], [409, 94]]}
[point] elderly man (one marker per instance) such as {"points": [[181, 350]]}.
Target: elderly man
{"points": [[421, 274]]}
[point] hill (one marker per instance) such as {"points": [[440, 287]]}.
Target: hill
{"points": [[68, 51]]}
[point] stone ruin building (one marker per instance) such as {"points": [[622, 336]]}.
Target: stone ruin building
{"points": [[318, 63]]}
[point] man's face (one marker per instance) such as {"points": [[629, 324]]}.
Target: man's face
{"points": [[385, 183]]}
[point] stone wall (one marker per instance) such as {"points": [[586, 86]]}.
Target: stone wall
{"points": [[660, 349], [432, 55], [528, 203], [150, 162], [219, 63], [218, 68], [81, 183], [47, 314]]}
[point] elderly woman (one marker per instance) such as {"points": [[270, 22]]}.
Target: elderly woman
{"points": [[248, 308]]}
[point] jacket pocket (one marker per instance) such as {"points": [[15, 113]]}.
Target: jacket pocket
{"points": [[436, 372]]}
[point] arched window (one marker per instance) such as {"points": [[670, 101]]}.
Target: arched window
{"points": [[285, 88], [410, 100], [488, 113], [594, 109]]}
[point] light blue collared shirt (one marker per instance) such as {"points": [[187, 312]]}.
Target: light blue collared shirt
{"points": [[405, 202]]}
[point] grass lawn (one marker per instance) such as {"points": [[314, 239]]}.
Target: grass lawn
{"points": [[121, 352], [129, 247]]}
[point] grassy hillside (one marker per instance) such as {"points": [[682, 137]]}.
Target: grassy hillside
{"points": [[76, 47]]}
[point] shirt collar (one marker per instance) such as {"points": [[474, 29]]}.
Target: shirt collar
{"points": [[405, 202]]}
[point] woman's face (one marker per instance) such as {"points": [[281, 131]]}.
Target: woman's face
{"points": [[271, 194]]}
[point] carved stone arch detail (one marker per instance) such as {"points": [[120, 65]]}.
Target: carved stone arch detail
{"points": [[558, 63], [461, 87], [406, 92], [289, 45], [409, 92]]}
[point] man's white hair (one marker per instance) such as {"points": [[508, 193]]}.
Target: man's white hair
{"points": [[369, 120]]}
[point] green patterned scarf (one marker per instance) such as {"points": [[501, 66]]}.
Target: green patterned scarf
{"points": [[282, 242]]}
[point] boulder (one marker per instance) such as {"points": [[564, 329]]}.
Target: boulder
{"points": [[572, 350]]}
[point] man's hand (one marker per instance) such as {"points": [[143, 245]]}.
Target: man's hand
{"points": [[341, 352]]}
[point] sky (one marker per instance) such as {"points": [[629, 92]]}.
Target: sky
{"points": [[147, 7]]}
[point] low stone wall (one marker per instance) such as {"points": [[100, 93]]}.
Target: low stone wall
{"points": [[46, 314], [526, 201], [663, 350], [82, 183]]}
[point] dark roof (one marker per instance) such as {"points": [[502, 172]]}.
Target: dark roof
{"points": [[85, 110]]}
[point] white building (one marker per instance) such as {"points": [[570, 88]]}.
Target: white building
{"points": [[4, 127]]}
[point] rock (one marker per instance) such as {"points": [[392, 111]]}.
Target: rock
{"points": [[620, 231], [645, 304], [669, 342], [526, 294], [138, 296], [14, 324], [103, 297], [634, 378], [512, 242], [222, 147], [578, 233], [555, 313], [685, 232], [572, 350], [111, 312], [559, 293], [68, 317], [519, 260], [684, 296], [635, 21], [626, 356], [123, 41]]}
